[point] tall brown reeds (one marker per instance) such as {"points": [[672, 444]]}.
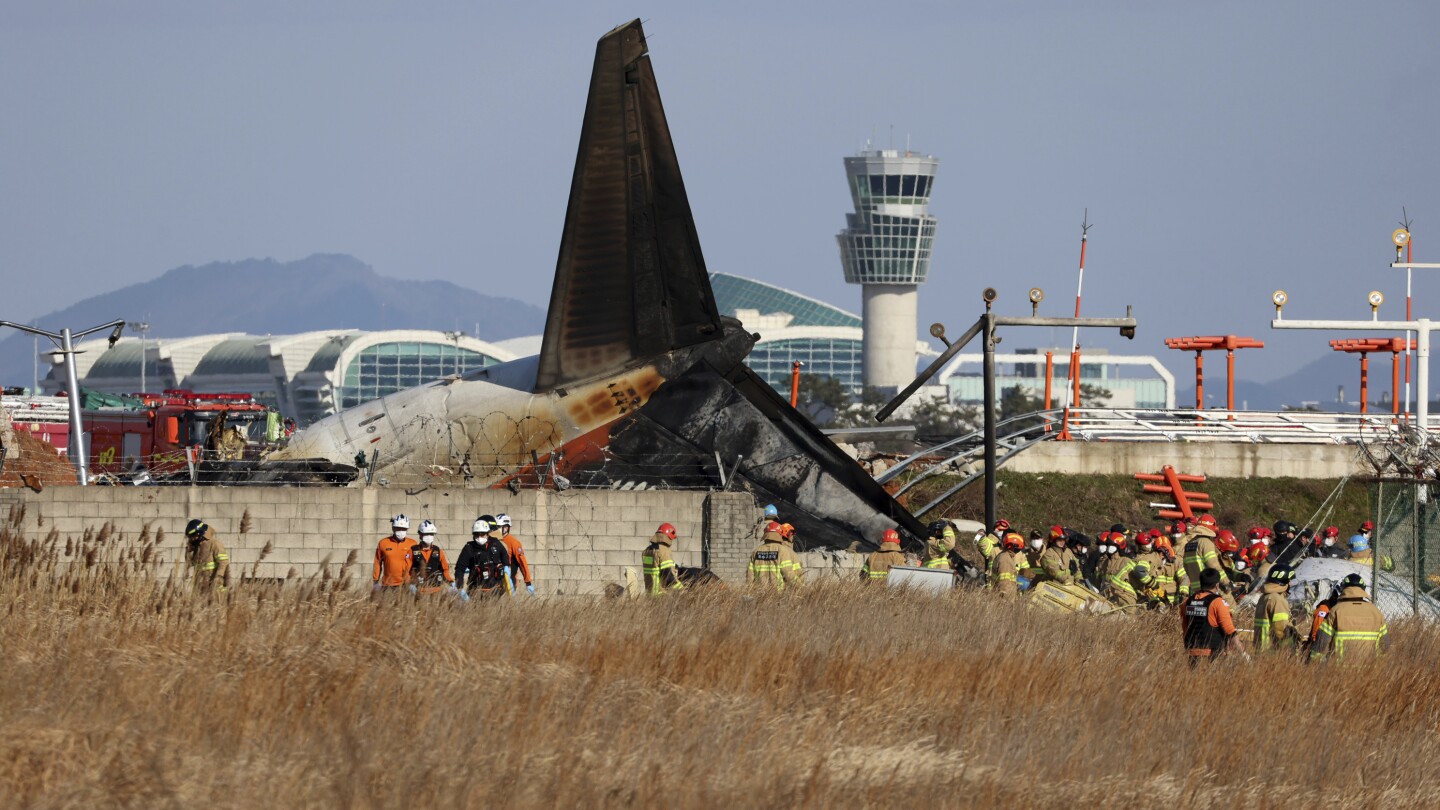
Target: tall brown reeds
{"points": [[123, 687]]}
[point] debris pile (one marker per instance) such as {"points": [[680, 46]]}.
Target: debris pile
{"points": [[30, 462]]}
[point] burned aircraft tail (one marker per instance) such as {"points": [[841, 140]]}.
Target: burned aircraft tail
{"points": [[631, 287], [630, 282]]}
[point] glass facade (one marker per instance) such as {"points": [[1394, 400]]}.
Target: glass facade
{"points": [[385, 368], [888, 239], [823, 357], [735, 293]]}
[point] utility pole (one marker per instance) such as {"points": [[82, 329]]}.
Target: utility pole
{"points": [[143, 327], [986, 325], [65, 342]]}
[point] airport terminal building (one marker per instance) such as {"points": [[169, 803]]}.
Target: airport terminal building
{"points": [[306, 376], [311, 375]]}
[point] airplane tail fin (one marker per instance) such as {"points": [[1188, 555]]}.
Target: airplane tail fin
{"points": [[630, 281]]}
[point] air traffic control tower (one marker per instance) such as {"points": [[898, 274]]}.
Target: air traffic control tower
{"points": [[885, 248]]}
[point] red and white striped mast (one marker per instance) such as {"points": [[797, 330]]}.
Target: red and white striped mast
{"points": [[1072, 396]]}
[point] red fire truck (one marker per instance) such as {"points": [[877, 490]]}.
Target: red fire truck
{"points": [[158, 433]]}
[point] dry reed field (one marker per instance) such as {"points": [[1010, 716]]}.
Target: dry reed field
{"points": [[123, 688]]}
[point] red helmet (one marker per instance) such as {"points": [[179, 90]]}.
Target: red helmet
{"points": [[890, 536], [667, 530], [1257, 532], [1002, 525], [1057, 533], [1331, 531], [1145, 538], [1179, 527], [787, 531], [772, 526], [1207, 520], [1225, 541], [1012, 542], [1255, 554], [1367, 526]]}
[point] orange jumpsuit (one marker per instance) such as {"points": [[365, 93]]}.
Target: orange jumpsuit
{"points": [[520, 568], [393, 559]]}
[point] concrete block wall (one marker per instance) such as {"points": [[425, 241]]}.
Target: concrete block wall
{"points": [[731, 534], [577, 541]]}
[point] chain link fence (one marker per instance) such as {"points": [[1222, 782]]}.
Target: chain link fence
{"points": [[1406, 567]]}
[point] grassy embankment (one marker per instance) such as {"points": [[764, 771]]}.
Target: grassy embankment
{"points": [[1092, 503], [123, 689]]}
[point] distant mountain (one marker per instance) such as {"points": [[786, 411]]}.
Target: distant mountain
{"points": [[264, 296]]}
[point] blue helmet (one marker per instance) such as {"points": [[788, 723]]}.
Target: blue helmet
{"points": [[1359, 542], [771, 511]]}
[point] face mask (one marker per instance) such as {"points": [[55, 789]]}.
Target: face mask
{"points": [[399, 534], [427, 539], [1239, 565], [1111, 549], [1329, 541], [1037, 544]]}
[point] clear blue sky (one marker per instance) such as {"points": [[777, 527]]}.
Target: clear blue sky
{"points": [[1224, 149]]}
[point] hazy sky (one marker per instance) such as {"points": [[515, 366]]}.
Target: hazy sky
{"points": [[1223, 149]]}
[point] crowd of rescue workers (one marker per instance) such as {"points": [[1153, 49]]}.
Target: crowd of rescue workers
{"points": [[1195, 569]]}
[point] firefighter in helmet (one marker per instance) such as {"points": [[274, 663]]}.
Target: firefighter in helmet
{"points": [[878, 564]]}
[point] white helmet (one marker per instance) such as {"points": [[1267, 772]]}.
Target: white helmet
{"points": [[481, 526], [503, 519], [400, 522], [426, 527]]}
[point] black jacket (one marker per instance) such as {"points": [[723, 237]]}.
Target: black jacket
{"points": [[482, 565]]}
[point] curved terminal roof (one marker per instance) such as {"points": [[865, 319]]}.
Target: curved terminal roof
{"points": [[121, 361], [235, 357], [733, 293]]}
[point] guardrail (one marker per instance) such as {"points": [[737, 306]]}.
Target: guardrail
{"points": [[1272, 427]]}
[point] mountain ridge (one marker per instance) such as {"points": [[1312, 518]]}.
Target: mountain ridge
{"points": [[321, 291]]}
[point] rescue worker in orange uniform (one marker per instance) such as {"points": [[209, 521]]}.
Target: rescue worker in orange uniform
{"points": [[483, 567], [1007, 565], [1205, 621], [662, 575], [1058, 564], [939, 545], [208, 560], [1273, 630], [1354, 629], [394, 555], [773, 564], [878, 564], [519, 566], [428, 566]]}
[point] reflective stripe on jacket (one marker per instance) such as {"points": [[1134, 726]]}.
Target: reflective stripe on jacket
{"points": [[662, 575]]}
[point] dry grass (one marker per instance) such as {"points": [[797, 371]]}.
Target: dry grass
{"points": [[122, 688]]}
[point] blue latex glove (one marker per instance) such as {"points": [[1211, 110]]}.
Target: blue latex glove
{"points": [[376, 588], [414, 589], [464, 596], [530, 589]]}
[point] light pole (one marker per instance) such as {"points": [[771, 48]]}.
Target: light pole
{"points": [[143, 327], [986, 325], [1422, 328], [65, 343]]}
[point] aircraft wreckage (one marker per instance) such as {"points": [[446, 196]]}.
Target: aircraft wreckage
{"points": [[639, 379]]}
